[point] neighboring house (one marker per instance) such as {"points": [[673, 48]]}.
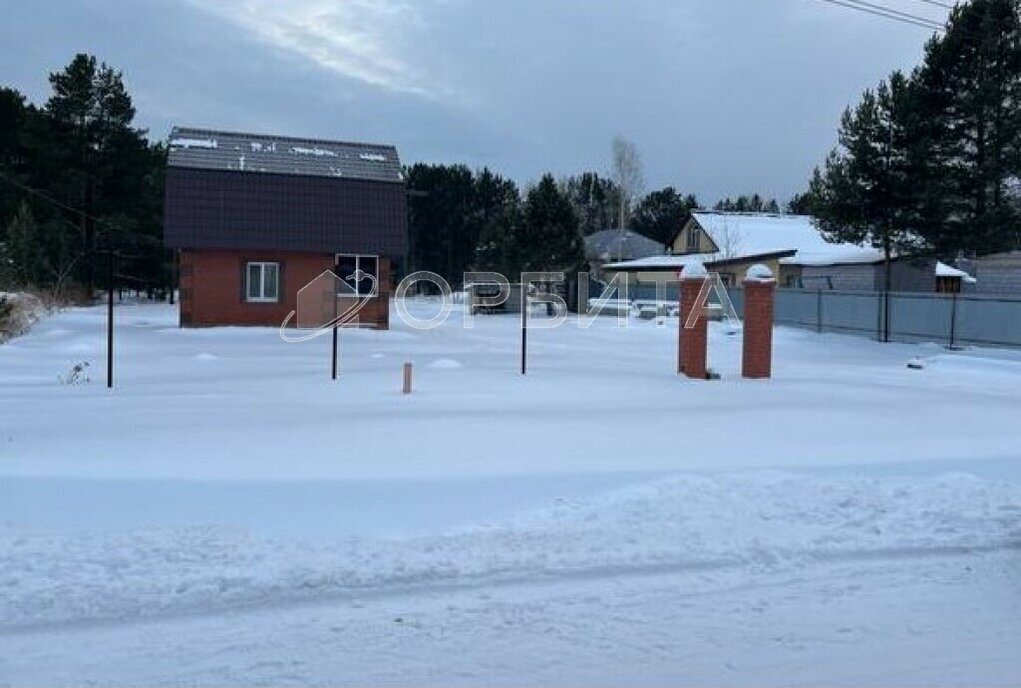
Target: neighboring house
{"points": [[998, 273], [666, 268], [255, 218], [868, 273], [616, 245], [793, 248]]}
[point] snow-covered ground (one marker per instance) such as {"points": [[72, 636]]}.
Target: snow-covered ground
{"points": [[229, 515]]}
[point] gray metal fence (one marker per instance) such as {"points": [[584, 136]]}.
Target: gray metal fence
{"points": [[952, 319]]}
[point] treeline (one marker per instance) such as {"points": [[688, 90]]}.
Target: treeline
{"points": [[461, 220], [76, 179], [931, 161]]}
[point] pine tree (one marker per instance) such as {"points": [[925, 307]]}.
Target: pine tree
{"points": [[497, 249], [14, 116], [22, 257], [968, 150], [91, 147], [106, 179], [439, 218], [594, 199], [450, 210], [662, 214], [548, 238], [863, 195]]}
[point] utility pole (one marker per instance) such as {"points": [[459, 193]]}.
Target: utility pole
{"points": [[109, 317], [334, 295], [524, 328]]}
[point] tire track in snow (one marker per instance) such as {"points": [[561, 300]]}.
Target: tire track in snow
{"points": [[273, 600]]}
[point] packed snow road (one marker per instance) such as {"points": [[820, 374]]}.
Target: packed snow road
{"points": [[227, 515]]}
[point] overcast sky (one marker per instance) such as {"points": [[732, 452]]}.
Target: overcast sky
{"points": [[721, 96]]}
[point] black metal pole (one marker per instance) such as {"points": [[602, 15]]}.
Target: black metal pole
{"points": [[109, 319], [334, 333], [524, 330], [334, 351], [173, 275]]}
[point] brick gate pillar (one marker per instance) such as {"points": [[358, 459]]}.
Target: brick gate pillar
{"points": [[694, 340], [757, 352]]}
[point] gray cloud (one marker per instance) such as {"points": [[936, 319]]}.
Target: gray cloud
{"points": [[721, 96]]}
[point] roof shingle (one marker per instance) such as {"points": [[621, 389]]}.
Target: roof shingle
{"points": [[210, 149]]}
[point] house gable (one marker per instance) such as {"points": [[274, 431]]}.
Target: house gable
{"points": [[693, 239]]}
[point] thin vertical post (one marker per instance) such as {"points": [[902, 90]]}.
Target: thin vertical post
{"points": [[406, 387], [333, 360], [334, 367], [524, 329], [886, 315], [174, 270], [109, 319], [879, 316], [953, 320], [818, 311]]}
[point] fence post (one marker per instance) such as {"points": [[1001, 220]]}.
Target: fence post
{"points": [[953, 320], [818, 311], [886, 314], [757, 347], [879, 316], [693, 341]]}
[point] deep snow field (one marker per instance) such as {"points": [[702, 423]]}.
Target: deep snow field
{"points": [[229, 515]]}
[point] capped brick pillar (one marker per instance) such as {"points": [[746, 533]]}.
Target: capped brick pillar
{"points": [[693, 341], [757, 353]]}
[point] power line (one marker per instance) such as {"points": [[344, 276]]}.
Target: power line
{"points": [[887, 13], [890, 10], [54, 202], [936, 3]]}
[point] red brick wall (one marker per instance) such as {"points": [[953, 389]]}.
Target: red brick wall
{"points": [[693, 341], [757, 353], [212, 287]]}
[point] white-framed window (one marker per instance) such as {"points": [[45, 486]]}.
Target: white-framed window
{"points": [[350, 267], [262, 282], [694, 239]]}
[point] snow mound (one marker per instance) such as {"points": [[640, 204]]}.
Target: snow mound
{"points": [[205, 356], [699, 523], [445, 364]]}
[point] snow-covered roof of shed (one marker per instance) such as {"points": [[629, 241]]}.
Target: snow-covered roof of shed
{"points": [[209, 149], [608, 244], [664, 262], [944, 270], [742, 234]]}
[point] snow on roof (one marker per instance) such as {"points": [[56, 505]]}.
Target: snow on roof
{"points": [[185, 142], [253, 153], [744, 234], [759, 273], [944, 270], [318, 152], [664, 262], [839, 254]]}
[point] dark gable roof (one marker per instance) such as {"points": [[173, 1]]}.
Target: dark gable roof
{"points": [[614, 244], [208, 149]]}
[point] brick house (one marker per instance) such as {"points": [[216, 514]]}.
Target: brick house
{"points": [[255, 218]]}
